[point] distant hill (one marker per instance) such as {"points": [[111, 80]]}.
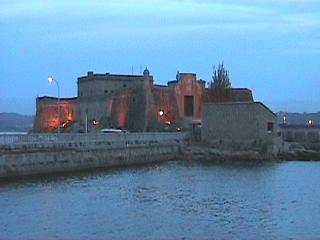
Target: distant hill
{"points": [[14, 122], [299, 118]]}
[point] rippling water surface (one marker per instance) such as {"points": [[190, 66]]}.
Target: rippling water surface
{"points": [[174, 200]]}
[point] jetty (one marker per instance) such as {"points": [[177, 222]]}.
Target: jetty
{"points": [[33, 154]]}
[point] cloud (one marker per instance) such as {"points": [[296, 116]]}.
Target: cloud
{"points": [[259, 2], [36, 8], [161, 13], [132, 13], [303, 20], [11, 10], [82, 18]]}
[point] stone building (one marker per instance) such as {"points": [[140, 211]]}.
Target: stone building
{"points": [[47, 115], [238, 124], [130, 102]]}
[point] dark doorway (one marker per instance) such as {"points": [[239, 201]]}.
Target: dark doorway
{"points": [[188, 106]]}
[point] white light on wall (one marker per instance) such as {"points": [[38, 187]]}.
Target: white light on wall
{"points": [[284, 119]]}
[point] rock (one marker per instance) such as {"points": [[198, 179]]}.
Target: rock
{"points": [[205, 153]]}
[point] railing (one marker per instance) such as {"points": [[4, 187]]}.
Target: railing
{"points": [[84, 138]]}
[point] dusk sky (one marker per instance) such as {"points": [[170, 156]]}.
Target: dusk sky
{"points": [[269, 46]]}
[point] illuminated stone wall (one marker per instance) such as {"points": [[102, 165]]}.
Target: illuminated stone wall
{"points": [[119, 109], [130, 102], [47, 114], [165, 102], [189, 86], [88, 110], [133, 109]]}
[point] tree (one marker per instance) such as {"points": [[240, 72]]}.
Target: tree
{"points": [[220, 84]]}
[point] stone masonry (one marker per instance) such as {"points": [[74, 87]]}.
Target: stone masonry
{"points": [[130, 102]]}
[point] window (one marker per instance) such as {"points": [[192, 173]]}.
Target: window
{"points": [[270, 127], [124, 85], [106, 91]]}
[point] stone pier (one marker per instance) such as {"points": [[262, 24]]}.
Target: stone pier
{"points": [[49, 153]]}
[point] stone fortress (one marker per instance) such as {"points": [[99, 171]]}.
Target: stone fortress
{"points": [[131, 102]]}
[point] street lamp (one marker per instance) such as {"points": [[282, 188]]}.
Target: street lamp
{"points": [[51, 81]]}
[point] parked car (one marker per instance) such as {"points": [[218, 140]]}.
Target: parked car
{"points": [[113, 130]]}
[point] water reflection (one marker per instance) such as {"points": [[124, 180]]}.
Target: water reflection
{"points": [[173, 200]]}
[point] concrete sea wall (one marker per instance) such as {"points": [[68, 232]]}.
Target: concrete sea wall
{"points": [[48, 153]]}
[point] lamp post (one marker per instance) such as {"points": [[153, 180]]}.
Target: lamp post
{"points": [[51, 81]]}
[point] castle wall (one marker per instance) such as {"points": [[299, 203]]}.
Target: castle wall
{"points": [[165, 101], [119, 109], [112, 96], [107, 84], [90, 109], [47, 113], [130, 102], [129, 110]]}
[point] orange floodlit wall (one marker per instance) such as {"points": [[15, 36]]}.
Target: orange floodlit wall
{"points": [[166, 105], [47, 115], [119, 109], [188, 86], [139, 106]]}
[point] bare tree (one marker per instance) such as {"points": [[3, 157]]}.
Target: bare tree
{"points": [[220, 84]]}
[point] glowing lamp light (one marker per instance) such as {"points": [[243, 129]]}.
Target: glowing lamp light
{"points": [[95, 122], [168, 122], [284, 119], [161, 113], [50, 79]]}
